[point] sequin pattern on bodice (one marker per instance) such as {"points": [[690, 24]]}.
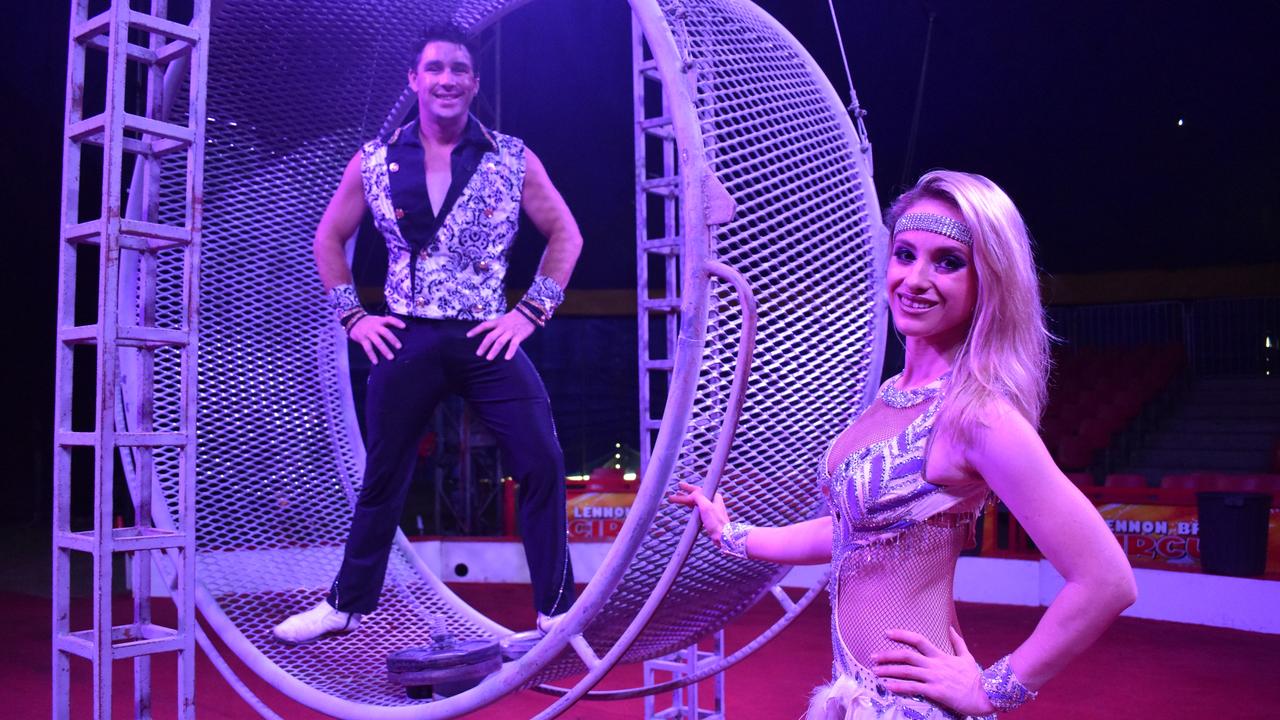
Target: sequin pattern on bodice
{"points": [[896, 539]]}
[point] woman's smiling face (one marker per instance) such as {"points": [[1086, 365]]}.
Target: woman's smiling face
{"points": [[932, 283]]}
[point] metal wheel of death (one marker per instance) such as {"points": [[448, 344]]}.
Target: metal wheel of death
{"points": [[279, 459]]}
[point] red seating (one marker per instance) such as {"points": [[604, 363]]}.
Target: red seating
{"points": [[1255, 482], [1127, 403], [1106, 422], [1125, 480], [1187, 481], [1096, 393], [1080, 479], [1074, 453]]}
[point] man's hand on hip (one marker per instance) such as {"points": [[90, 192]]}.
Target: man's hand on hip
{"points": [[373, 333], [509, 330]]}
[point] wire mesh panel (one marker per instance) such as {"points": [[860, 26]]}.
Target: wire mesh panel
{"points": [[294, 88], [804, 233]]}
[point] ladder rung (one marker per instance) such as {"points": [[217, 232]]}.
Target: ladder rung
{"points": [[94, 26], [168, 28], [133, 51], [127, 336], [125, 539], [677, 667], [163, 237], [75, 644], [126, 641], [82, 129], [653, 122], [666, 365], [133, 146], [661, 305], [649, 71], [151, 439], [70, 438], [160, 148], [663, 245], [659, 127], [148, 646], [96, 32], [171, 51], [85, 233], [651, 424], [173, 137], [159, 128], [79, 335], [665, 186], [134, 235], [151, 337]]}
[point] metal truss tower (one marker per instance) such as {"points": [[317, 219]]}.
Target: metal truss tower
{"points": [[658, 239], [123, 65]]}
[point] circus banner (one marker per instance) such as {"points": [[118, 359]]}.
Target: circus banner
{"points": [[597, 515], [1169, 535]]}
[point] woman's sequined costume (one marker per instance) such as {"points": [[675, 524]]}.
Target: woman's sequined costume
{"points": [[896, 539]]}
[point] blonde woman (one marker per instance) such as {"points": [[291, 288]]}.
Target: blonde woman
{"points": [[906, 481]]}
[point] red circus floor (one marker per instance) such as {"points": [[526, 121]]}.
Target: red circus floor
{"points": [[1140, 669]]}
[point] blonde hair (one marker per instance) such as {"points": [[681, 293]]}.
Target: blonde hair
{"points": [[1005, 354]]}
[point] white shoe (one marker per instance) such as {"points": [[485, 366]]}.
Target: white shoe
{"points": [[321, 620], [516, 645], [548, 622]]}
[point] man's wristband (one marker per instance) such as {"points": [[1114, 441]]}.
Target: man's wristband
{"points": [[1003, 688], [733, 539], [545, 295], [343, 299], [534, 311], [530, 315], [352, 317]]}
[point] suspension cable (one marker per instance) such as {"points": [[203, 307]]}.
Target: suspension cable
{"points": [[854, 108]]}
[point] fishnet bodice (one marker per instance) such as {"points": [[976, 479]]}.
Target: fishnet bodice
{"points": [[896, 536], [905, 582]]}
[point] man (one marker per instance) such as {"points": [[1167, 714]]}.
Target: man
{"points": [[446, 193]]}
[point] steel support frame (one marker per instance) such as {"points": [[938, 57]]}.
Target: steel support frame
{"points": [[477, 454], [698, 200], [685, 700], [126, 319], [663, 187]]}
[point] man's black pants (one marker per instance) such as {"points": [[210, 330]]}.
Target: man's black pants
{"points": [[438, 359]]}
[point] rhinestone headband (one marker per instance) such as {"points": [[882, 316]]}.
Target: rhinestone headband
{"points": [[936, 224]]}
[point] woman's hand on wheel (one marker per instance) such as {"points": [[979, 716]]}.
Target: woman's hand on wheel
{"points": [[954, 681], [714, 515]]}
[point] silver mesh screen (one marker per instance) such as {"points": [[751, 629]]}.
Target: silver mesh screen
{"points": [[294, 87], [777, 138]]}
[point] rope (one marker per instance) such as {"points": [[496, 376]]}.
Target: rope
{"points": [[854, 108], [915, 113]]}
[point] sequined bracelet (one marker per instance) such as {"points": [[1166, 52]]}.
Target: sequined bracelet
{"points": [[544, 294], [1003, 688], [733, 539], [343, 299]]}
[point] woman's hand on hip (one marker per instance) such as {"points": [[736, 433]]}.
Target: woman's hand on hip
{"points": [[954, 681]]}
